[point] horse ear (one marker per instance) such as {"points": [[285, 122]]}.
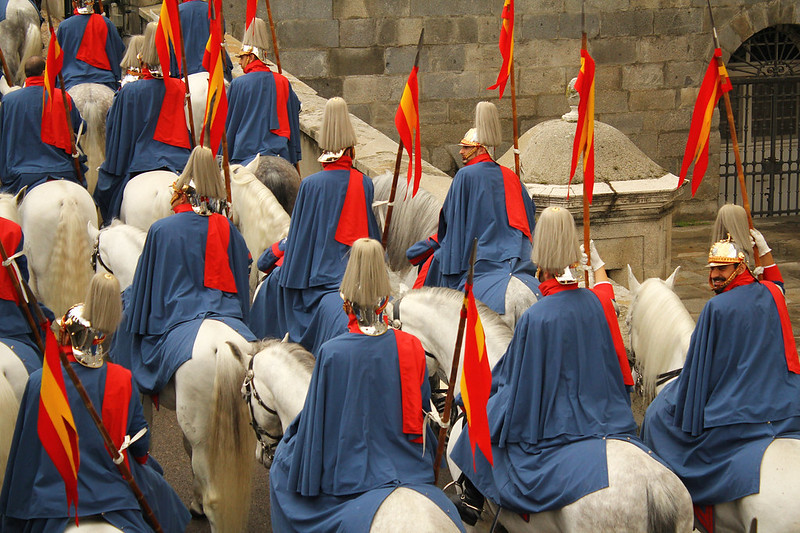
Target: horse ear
{"points": [[93, 231], [21, 195], [633, 283], [670, 281], [252, 166]]}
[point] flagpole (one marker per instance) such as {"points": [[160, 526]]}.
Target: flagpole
{"points": [[226, 168], [734, 140], [72, 146], [23, 301], [587, 238], [448, 402], [116, 456], [274, 41], [397, 162], [514, 113], [188, 95], [6, 71]]}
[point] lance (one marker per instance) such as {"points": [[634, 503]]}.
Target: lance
{"points": [[274, 41], [188, 96], [115, 454], [390, 205], [6, 71], [23, 300], [226, 168], [587, 238], [732, 128], [514, 121], [448, 403], [73, 147]]}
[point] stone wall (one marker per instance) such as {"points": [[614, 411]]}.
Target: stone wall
{"points": [[650, 55]]}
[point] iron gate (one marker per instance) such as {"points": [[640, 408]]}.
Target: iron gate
{"points": [[766, 107]]}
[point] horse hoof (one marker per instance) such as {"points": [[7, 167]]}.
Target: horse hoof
{"points": [[196, 510]]}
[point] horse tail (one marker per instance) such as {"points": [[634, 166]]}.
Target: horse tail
{"points": [[32, 46], [69, 269], [8, 416], [94, 112], [230, 443]]}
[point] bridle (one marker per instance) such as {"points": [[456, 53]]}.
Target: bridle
{"points": [[249, 392], [97, 257]]}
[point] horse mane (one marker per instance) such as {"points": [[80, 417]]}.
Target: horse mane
{"points": [[492, 323], [413, 219], [281, 178], [134, 233], [291, 350], [268, 215], [664, 325]]}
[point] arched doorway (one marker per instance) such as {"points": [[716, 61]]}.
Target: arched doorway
{"points": [[765, 72]]}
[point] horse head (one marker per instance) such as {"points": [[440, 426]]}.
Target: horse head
{"points": [[9, 205], [116, 250], [660, 329]]}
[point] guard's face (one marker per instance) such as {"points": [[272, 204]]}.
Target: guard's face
{"points": [[718, 275], [467, 153]]}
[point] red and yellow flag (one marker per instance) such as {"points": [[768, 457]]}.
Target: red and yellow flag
{"points": [[168, 34], [55, 128], [506, 47], [715, 83], [584, 132], [217, 102], [250, 14], [407, 120], [56, 426], [476, 380]]}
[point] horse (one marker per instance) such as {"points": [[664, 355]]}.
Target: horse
{"points": [[146, 198], [93, 102], [275, 391], [13, 377], [642, 494], [661, 329], [256, 212], [415, 219], [20, 36], [119, 251], [282, 179], [55, 216], [198, 88]]}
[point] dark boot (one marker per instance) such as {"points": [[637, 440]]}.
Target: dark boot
{"points": [[470, 502]]}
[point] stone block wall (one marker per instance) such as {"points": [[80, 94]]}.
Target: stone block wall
{"points": [[650, 54]]}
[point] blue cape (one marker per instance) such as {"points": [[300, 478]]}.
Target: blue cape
{"points": [[24, 158], [475, 206], [310, 316], [252, 113], [168, 299], [130, 147], [349, 440], [70, 33], [734, 395], [313, 256], [195, 31], [33, 497], [557, 393]]}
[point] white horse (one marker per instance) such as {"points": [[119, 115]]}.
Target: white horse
{"points": [[20, 36], [119, 251], [661, 329], [13, 378], [204, 393], [146, 198], [276, 389], [282, 179], [54, 218], [93, 101], [415, 219], [255, 211], [642, 494]]}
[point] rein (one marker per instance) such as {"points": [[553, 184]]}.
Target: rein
{"points": [[98, 258], [249, 391], [666, 376]]}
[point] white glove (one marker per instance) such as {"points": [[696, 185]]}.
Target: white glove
{"points": [[597, 263], [760, 242]]}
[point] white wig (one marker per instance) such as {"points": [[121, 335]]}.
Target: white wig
{"points": [[732, 218], [149, 51], [256, 36], [487, 124], [366, 281], [132, 51], [337, 130], [103, 307], [203, 171], [555, 242]]}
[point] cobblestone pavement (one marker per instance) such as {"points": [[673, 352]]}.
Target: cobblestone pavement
{"points": [[689, 250]]}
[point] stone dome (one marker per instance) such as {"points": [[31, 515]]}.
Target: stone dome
{"points": [[546, 154]]}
